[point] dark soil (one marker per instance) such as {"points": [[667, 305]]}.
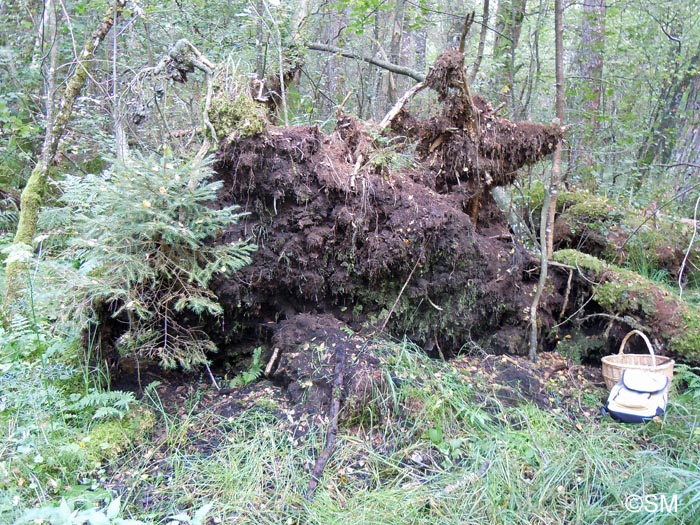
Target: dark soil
{"points": [[357, 234], [346, 226]]}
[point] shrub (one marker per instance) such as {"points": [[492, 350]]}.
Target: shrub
{"points": [[138, 241]]}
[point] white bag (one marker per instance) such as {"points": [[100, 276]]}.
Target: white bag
{"points": [[638, 397]]}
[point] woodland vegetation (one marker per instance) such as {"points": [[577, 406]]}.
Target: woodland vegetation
{"points": [[350, 261]]}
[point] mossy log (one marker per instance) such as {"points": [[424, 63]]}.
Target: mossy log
{"points": [[653, 244], [629, 298]]}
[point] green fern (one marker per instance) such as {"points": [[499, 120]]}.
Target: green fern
{"points": [[107, 405], [253, 373]]}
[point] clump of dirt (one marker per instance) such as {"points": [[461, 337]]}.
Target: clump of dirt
{"points": [[373, 249], [468, 144], [308, 345], [394, 248], [553, 383]]}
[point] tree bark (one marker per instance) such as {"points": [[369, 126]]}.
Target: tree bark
{"points": [[482, 42], [550, 202], [394, 68], [395, 48], [686, 152], [33, 193], [589, 62], [659, 145], [509, 23]]}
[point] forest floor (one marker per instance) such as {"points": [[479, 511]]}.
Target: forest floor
{"points": [[476, 439]]}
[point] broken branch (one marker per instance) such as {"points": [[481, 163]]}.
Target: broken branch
{"points": [[394, 68]]}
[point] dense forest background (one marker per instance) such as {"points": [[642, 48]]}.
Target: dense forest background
{"points": [[631, 73], [330, 351]]}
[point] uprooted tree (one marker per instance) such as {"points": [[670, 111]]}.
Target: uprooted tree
{"points": [[388, 228], [355, 225]]}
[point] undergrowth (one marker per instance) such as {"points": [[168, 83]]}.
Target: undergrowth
{"points": [[438, 447]]}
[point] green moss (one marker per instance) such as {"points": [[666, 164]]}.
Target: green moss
{"points": [[95, 165], [534, 197], [624, 292], [107, 440], [241, 117], [687, 343], [580, 260]]}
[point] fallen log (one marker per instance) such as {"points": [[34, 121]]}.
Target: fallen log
{"points": [[631, 301]]}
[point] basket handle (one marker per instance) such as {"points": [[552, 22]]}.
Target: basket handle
{"points": [[646, 340]]}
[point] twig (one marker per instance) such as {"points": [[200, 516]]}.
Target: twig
{"points": [[468, 21], [566, 295], [399, 70], [272, 361], [338, 378], [211, 376], [628, 320], [342, 104], [534, 441], [399, 105], [575, 313], [468, 479], [398, 297], [690, 246]]}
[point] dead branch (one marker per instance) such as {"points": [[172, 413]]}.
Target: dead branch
{"points": [[468, 479], [468, 21], [338, 379], [391, 115], [394, 68]]}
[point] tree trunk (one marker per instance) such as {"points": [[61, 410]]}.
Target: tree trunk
{"points": [[686, 152], [421, 46], [550, 203], [395, 49], [33, 193], [482, 42], [659, 145], [260, 47], [509, 23], [589, 63]]}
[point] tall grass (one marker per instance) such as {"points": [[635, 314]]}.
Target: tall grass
{"points": [[436, 448]]}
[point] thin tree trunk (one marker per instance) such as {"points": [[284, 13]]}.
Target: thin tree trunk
{"points": [[482, 42], [509, 23], [661, 144], [395, 48], [260, 50], [33, 193], [686, 151], [589, 61], [421, 42], [550, 201]]}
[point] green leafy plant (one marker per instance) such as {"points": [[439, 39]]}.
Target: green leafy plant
{"points": [[140, 244], [69, 512], [253, 373], [104, 404], [198, 518]]}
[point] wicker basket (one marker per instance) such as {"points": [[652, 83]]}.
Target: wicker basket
{"points": [[614, 365]]}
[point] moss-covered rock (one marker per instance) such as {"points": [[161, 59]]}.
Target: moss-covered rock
{"points": [[622, 292], [237, 117]]}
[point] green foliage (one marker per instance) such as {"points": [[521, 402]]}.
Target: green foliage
{"points": [[17, 131], [253, 373], [58, 431], [103, 404], [70, 512], [139, 241]]}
